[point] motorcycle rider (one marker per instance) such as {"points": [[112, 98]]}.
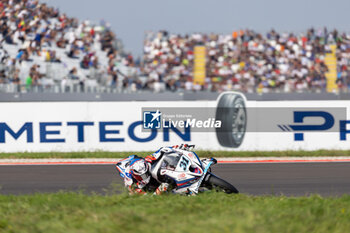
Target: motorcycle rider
{"points": [[136, 171]]}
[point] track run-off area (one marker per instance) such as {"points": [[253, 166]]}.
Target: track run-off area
{"points": [[327, 176]]}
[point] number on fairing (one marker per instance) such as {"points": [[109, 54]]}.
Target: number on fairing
{"points": [[184, 163]]}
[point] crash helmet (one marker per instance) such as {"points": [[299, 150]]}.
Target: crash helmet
{"points": [[140, 171]]}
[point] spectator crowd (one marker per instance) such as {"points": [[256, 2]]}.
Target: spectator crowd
{"points": [[34, 35], [248, 61]]}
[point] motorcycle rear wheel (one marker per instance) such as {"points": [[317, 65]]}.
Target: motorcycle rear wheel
{"points": [[218, 183]]}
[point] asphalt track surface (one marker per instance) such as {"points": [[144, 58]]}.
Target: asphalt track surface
{"points": [[292, 179]]}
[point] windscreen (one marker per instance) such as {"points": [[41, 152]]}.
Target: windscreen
{"points": [[170, 161]]}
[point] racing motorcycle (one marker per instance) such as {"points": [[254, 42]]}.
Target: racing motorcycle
{"points": [[186, 173], [181, 171]]}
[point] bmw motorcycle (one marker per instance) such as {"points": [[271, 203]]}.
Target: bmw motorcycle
{"points": [[187, 174]]}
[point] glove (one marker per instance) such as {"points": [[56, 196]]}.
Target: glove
{"points": [[138, 191], [161, 189]]}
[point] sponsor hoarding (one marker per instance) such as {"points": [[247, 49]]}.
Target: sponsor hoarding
{"points": [[232, 123]]}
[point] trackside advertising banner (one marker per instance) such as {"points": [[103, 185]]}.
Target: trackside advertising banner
{"points": [[230, 123]]}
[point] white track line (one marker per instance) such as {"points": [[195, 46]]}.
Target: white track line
{"points": [[88, 161]]}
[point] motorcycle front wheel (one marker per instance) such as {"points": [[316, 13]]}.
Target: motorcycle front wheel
{"points": [[215, 182]]}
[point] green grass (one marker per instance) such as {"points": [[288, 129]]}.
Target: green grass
{"points": [[104, 154], [208, 212]]}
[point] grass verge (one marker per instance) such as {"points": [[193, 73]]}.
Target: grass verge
{"points": [[218, 154], [209, 212]]}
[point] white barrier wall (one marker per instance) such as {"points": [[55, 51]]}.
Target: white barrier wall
{"points": [[115, 126]]}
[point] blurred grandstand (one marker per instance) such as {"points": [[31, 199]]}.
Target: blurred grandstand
{"points": [[43, 50], [250, 62]]}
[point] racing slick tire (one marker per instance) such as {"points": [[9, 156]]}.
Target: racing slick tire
{"points": [[231, 111], [217, 182]]}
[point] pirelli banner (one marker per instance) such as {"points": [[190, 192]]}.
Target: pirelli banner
{"points": [[199, 71], [229, 123]]}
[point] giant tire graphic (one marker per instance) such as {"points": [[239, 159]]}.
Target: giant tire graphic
{"points": [[231, 111]]}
